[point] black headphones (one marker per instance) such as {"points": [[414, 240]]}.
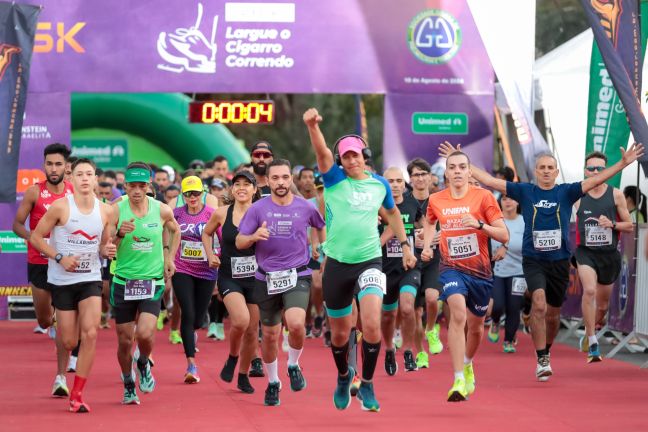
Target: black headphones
{"points": [[366, 151]]}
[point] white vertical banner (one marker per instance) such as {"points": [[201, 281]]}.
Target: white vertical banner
{"points": [[507, 29]]}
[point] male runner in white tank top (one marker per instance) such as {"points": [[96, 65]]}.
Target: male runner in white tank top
{"points": [[78, 227]]}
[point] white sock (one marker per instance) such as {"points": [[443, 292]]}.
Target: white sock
{"points": [[459, 375], [293, 356], [592, 340], [467, 360], [273, 375]]}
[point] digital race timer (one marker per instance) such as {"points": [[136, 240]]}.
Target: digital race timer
{"points": [[234, 112]]}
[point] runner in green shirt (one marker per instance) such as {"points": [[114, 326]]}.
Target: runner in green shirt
{"points": [[353, 198], [143, 261]]}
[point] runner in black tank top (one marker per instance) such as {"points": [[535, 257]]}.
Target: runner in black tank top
{"points": [[236, 280], [601, 215]]}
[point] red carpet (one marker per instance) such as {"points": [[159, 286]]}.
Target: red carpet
{"points": [[579, 397]]}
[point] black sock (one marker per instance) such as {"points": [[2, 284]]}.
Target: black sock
{"points": [[541, 352], [340, 355], [232, 359], [369, 359], [142, 362], [75, 351], [353, 349], [547, 348]]}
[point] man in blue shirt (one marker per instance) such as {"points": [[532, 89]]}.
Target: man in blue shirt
{"points": [[546, 208]]}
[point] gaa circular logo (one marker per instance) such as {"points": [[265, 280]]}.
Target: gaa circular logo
{"points": [[623, 287], [434, 36]]}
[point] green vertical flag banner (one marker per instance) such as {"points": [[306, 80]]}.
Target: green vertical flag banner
{"points": [[607, 124]]}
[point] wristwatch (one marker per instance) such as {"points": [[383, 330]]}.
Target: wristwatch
{"points": [[614, 225], [58, 258], [404, 242], [481, 224]]}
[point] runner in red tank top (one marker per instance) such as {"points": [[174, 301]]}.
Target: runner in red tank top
{"points": [[36, 200]]}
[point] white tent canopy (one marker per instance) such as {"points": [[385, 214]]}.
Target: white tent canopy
{"points": [[562, 89]]}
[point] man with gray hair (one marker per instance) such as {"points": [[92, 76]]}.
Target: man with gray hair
{"points": [[546, 208]]}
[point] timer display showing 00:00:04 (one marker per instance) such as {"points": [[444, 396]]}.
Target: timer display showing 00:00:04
{"points": [[250, 112]]}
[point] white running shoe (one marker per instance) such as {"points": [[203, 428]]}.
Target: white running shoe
{"points": [[72, 363], [543, 368], [40, 330], [60, 388]]}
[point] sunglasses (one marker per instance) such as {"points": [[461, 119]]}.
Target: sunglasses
{"points": [[420, 174], [595, 168], [262, 155], [192, 194]]}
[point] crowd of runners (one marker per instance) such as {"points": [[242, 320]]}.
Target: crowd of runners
{"points": [[334, 251]]}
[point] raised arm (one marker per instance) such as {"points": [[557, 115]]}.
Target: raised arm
{"points": [[483, 177], [627, 157], [323, 154]]}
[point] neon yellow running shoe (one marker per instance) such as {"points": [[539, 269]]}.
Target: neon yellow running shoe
{"points": [[458, 391], [422, 360], [434, 343], [174, 337], [469, 375], [160, 320]]}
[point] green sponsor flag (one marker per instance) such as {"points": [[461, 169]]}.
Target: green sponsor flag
{"points": [[607, 125]]}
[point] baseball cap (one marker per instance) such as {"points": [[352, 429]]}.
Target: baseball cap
{"points": [[192, 183], [262, 145], [319, 182], [219, 183], [350, 143], [137, 175], [169, 169], [246, 175], [197, 164]]}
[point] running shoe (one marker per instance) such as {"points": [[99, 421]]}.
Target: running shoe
{"points": [[227, 373], [256, 368], [543, 368], [422, 360], [243, 384], [391, 367], [285, 346], [458, 391], [342, 394], [367, 398], [509, 348], [434, 342], [583, 344], [51, 332], [130, 394], [355, 385], [72, 362], [469, 378], [309, 331], [318, 324], [220, 331], [146, 379], [78, 406], [410, 364], [60, 388], [272, 394], [297, 381], [493, 333], [40, 330], [174, 337], [191, 376], [593, 354], [398, 339], [161, 318], [211, 331]]}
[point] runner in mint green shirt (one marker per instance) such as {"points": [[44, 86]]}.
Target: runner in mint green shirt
{"points": [[142, 263], [353, 198]]}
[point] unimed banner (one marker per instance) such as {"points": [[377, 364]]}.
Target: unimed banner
{"points": [[607, 125], [615, 24], [622, 301], [17, 30]]}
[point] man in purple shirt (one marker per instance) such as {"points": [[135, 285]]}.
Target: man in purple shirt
{"points": [[277, 227]]}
